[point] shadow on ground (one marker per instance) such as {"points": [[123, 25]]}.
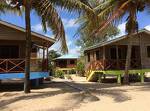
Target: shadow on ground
{"points": [[94, 91], [114, 90], [16, 89]]}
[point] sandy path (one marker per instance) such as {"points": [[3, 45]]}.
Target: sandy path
{"points": [[53, 97], [58, 96]]}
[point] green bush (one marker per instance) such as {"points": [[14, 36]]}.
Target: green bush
{"points": [[72, 71], [80, 68], [59, 74]]}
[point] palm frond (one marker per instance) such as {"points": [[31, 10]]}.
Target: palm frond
{"points": [[50, 18]]}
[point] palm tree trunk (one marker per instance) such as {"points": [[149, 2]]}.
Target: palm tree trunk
{"points": [[28, 47], [128, 62]]}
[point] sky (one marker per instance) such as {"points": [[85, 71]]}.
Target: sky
{"points": [[69, 20]]}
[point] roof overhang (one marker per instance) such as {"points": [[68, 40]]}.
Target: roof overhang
{"points": [[115, 40], [67, 57], [37, 38]]}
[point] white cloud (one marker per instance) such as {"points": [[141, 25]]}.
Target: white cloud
{"points": [[71, 46], [121, 27], [75, 51], [69, 23], [147, 27], [37, 28], [72, 50], [55, 47]]}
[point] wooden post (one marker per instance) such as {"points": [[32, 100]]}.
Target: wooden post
{"points": [[43, 58], [142, 77], [100, 78], [117, 57], [119, 78], [104, 57], [47, 58]]}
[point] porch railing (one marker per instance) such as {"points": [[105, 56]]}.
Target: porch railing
{"points": [[113, 64], [18, 65]]}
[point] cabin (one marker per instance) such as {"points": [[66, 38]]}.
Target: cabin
{"points": [[109, 57], [12, 52], [66, 62]]}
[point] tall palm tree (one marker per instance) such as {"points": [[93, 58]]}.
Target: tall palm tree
{"points": [[87, 25], [27, 4], [114, 10], [28, 46], [46, 9]]}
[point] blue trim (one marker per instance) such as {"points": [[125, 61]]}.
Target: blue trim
{"points": [[33, 75]]}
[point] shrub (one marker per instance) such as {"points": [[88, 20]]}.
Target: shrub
{"points": [[72, 71], [80, 68], [59, 74]]}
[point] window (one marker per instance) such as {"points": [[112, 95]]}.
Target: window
{"points": [[122, 51], [72, 61], [7, 52], [88, 57], [113, 53], [97, 55], [148, 51]]}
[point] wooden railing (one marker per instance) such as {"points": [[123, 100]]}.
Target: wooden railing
{"points": [[18, 65], [12, 65], [112, 64]]}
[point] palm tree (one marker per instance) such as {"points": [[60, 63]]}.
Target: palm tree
{"points": [[16, 5], [28, 47], [114, 10], [87, 25], [46, 9]]}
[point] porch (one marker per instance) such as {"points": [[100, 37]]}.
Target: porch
{"points": [[18, 65], [110, 61], [113, 57]]}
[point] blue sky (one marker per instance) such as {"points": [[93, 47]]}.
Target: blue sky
{"points": [[70, 26]]}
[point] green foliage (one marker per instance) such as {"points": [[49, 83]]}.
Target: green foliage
{"points": [[115, 10], [59, 74], [88, 25], [80, 68], [72, 71], [47, 11], [52, 55]]}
